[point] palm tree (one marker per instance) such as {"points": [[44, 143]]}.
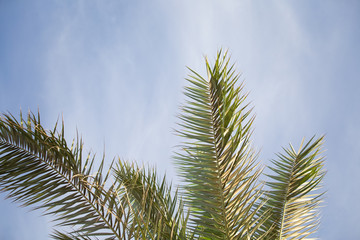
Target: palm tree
{"points": [[221, 196]]}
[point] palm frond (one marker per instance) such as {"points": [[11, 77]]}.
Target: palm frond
{"points": [[57, 235], [160, 214], [38, 168], [217, 162], [294, 196], [221, 196]]}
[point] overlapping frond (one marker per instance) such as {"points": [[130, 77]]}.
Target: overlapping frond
{"points": [[217, 162], [58, 235], [38, 168], [157, 209], [294, 196], [223, 198]]}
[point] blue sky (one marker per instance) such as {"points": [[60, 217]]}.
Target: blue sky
{"points": [[115, 71]]}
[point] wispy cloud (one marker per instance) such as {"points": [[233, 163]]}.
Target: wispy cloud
{"points": [[115, 71]]}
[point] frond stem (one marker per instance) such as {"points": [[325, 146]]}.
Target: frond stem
{"points": [[285, 199]]}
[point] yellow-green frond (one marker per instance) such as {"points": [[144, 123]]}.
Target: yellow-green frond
{"points": [[158, 212], [294, 196], [217, 162]]}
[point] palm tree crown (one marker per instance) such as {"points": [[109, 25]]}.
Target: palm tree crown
{"points": [[221, 196]]}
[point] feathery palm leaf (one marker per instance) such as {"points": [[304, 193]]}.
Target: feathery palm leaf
{"points": [[293, 196], [152, 201], [217, 162], [222, 194], [38, 168]]}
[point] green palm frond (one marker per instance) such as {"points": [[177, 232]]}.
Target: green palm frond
{"points": [[152, 202], [217, 162], [221, 196], [57, 235], [294, 196], [38, 168]]}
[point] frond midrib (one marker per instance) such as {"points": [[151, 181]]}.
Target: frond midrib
{"points": [[220, 184], [283, 212]]}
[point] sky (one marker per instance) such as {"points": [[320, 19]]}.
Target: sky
{"points": [[115, 71]]}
